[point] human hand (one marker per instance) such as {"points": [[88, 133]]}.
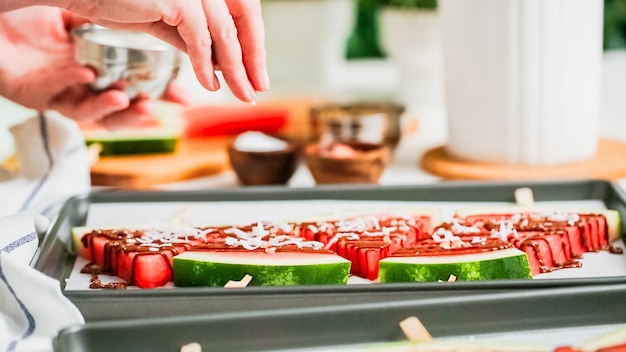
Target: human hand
{"points": [[217, 34], [38, 70]]}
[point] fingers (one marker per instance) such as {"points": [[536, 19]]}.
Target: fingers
{"points": [[111, 108], [193, 30], [160, 30], [82, 104], [227, 49], [71, 21], [231, 31], [175, 93], [141, 108], [251, 32]]}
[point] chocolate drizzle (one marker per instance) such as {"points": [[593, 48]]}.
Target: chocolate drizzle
{"points": [[551, 242]]}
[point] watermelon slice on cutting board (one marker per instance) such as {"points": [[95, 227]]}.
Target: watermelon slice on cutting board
{"points": [[281, 268], [160, 134], [508, 263]]}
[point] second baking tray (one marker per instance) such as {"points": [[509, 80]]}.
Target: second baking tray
{"points": [[552, 317], [55, 260]]}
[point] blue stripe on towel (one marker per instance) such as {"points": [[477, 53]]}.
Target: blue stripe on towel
{"points": [[29, 317], [19, 242]]}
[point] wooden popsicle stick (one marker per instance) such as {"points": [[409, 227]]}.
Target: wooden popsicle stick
{"points": [[524, 197], [191, 347], [414, 330], [239, 284], [182, 215]]}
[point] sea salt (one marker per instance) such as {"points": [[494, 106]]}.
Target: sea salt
{"points": [[254, 141]]}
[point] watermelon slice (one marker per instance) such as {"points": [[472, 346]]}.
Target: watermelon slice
{"points": [[509, 263], [158, 135], [142, 256], [281, 268], [552, 239], [613, 221], [364, 237]]}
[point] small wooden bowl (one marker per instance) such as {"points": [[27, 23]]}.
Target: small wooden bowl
{"points": [[264, 168], [358, 122], [366, 166]]}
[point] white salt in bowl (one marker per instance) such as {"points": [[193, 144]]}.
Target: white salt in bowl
{"points": [[260, 159]]}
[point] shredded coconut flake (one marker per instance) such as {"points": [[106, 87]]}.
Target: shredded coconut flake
{"points": [[459, 228], [504, 231]]}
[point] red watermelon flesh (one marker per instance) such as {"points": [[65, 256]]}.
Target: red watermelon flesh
{"points": [[145, 269], [583, 232], [539, 246], [596, 231], [576, 242], [364, 256], [556, 241], [140, 257]]}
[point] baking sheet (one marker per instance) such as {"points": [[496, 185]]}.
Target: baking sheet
{"points": [[551, 317], [246, 205], [599, 264]]}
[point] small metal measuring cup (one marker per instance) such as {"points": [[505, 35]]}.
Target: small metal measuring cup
{"points": [[134, 61]]}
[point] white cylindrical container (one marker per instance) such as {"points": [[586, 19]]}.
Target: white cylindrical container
{"points": [[523, 79]]}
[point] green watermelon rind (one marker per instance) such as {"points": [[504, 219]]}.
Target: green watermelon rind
{"points": [[136, 145], [163, 138], [497, 265], [612, 216], [191, 270], [76, 244]]}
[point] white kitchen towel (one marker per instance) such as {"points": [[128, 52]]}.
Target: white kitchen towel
{"points": [[53, 166]]}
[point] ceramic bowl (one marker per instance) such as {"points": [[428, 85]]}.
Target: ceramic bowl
{"points": [[359, 122], [255, 167], [362, 163], [134, 61]]}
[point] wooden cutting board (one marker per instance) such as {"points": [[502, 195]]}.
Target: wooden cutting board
{"points": [[203, 156], [193, 158]]}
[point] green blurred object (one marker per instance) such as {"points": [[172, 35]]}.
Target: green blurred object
{"points": [[363, 41], [614, 24], [420, 4]]}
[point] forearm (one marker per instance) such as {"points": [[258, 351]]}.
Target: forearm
{"points": [[8, 5]]}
